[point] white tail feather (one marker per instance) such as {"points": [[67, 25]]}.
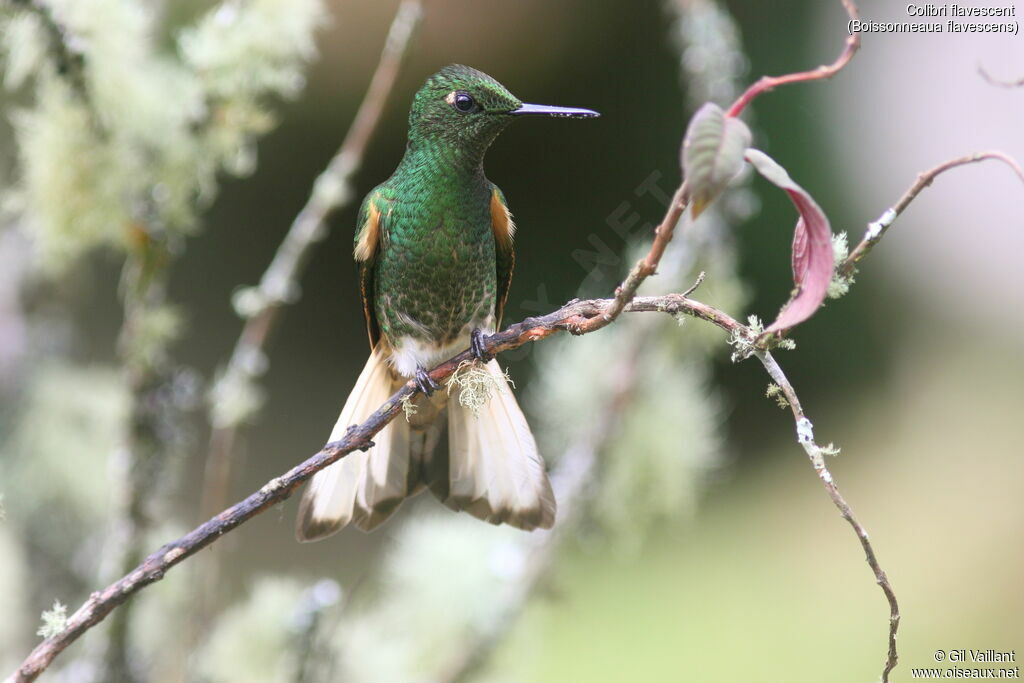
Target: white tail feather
{"points": [[495, 471], [362, 487]]}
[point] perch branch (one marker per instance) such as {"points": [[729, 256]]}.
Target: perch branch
{"points": [[766, 83], [580, 462], [879, 227], [576, 317]]}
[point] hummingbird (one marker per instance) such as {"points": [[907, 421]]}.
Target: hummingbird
{"points": [[434, 250]]}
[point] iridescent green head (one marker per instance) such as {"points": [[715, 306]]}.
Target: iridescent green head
{"points": [[468, 108]]}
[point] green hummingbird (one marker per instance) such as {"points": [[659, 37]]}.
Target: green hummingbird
{"points": [[435, 255]]}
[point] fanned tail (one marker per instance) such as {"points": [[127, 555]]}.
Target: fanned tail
{"points": [[363, 487], [494, 471]]}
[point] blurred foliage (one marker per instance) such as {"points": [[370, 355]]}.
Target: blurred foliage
{"points": [[138, 147], [251, 641]]}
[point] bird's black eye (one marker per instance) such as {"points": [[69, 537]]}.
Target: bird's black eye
{"points": [[464, 102]]}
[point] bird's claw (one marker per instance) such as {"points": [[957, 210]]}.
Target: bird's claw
{"points": [[477, 346], [425, 382]]}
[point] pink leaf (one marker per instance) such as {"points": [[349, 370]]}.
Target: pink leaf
{"points": [[812, 247]]}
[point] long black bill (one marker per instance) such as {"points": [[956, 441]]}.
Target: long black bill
{"points": [[547, 110]]}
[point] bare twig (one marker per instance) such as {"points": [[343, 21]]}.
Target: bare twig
{"points": [[879, 227], [581, 457], [766, 83], [648, 265], [805, 437], [996, 81]]}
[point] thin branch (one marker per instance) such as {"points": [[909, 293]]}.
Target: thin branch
{"points": [[805, 437], [878, 228], [1001, 83], [576, 317], [766, 83], [331, 191], [648, 265]]}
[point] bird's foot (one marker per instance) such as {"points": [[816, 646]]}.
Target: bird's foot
{"points": [[477, 347], [425, 382]]}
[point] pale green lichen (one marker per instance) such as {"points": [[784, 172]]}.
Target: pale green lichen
{"points": [[840, 284], [71, 186], [25, 43], [154, 127], [743, 339], [830, 449], [475, 383], [235, 399], [248, 301], [750, 339], [784, 343], [241, 52], [153, 330], [409, 408], [90, 404], [241, 49], [774, 391], [55, 620]]}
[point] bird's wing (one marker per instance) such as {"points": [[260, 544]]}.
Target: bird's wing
{"points": [[505, 261], [369, 235]]}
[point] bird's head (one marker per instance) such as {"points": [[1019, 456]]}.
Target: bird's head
{"points": [[467, 108]]}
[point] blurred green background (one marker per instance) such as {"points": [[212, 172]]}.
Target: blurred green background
{"points": [[916, 374]]}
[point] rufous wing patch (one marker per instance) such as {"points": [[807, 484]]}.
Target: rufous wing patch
{"points": [[501, 222], [369, 234]]}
